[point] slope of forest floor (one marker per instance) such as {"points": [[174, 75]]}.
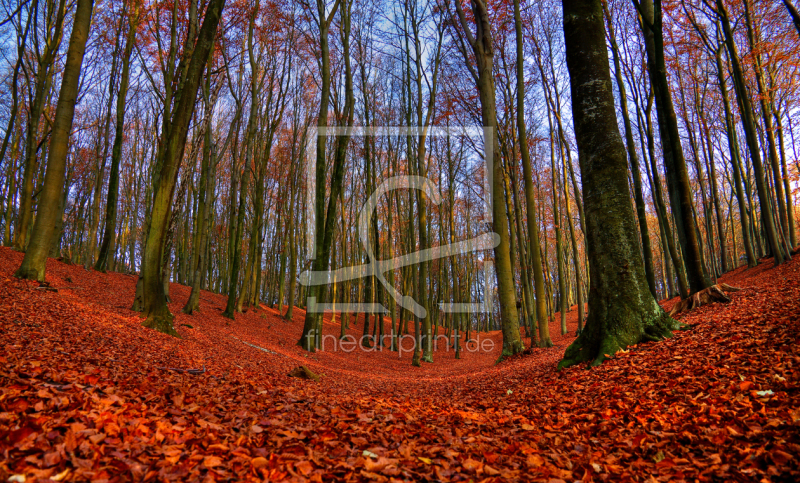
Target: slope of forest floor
{"points": [[86, 393]]}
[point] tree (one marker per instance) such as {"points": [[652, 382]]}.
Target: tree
{"points": [[204, 202], [174, 140], [326, 216], [116, 151], [633, 158], [250, 146], [622, 311], [50, 208], [680, 192], [12, 118], [793, 13], [748, 122], [54, 15], [483, 50]]}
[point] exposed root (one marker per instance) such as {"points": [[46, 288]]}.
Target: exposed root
{"points": [[161, 323], [714, 293], [26, 273], [598, 345], [304, 372]]}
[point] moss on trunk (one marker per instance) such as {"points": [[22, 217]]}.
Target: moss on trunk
{"points": [[161, 322]]}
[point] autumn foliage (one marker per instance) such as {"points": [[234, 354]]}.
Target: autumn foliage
{"points": [[86, 393]]}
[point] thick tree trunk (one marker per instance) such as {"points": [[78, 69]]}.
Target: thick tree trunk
{"points": [[641, 212], [622, 310], [50, 212]]}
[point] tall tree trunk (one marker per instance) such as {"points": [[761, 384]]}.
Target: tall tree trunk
{"points": [[765, 101], [680, 192], [534, 246], [116, 151], [326, 216], [11, 131], [483, 48], [204, 197], [562, 285], [622, 311], [44, 79], [250, 146], [33, 264], [790, 212], [748, 121], [733, 145], [154, 298], [641, 211]]}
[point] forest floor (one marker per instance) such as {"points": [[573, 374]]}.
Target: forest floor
{"points": [[86, 393]]}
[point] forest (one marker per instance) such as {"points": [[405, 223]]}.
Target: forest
{"points": [[350, 240]]}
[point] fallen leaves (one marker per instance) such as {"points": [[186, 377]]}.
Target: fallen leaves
{"points": [[82, 397]]}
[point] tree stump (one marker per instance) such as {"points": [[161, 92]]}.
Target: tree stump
{"points": [[304, 372], [714, 293]]}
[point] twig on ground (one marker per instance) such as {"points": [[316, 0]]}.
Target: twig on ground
{"points": [[194, 372]]}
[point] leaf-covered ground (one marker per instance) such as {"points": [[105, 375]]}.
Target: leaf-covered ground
{"points": [[86, 394]]}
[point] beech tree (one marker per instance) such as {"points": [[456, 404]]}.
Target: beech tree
{"points": [[622, 310], [326, 213], [220, 197], [116, 152], [50, 208], [482, 47], [53, 14], [651, 19], [157, 313]]}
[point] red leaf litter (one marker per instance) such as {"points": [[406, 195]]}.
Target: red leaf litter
{"points": [[87, 394]]}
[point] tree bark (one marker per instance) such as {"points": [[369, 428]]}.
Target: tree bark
{"points": [[50, 212], [622, 310], [116, 151], [154, 298], [794, 14], [326, 216], [42, 85], [680, 191], [483, 48], [641, 212], [748, 122]]}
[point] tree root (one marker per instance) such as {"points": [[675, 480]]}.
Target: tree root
{"points": [[161, 323], [714, 293], [304, 372], [588, 347]]}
